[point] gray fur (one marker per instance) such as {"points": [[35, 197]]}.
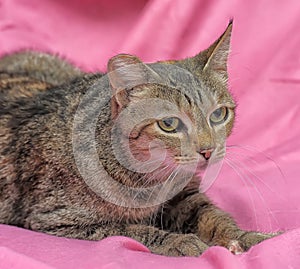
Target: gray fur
{"points": [[40, 186]]}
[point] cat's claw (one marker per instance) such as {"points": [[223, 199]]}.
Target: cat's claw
{"points": [[249, 239], [235, 248], [181, 245]]}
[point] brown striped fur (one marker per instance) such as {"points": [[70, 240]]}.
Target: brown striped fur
{"points": [[41, 188]]}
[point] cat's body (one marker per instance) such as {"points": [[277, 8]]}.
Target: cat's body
{"points": [[41, 187]]}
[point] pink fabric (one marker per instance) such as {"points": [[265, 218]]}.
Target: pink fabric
{"points": [[265, 80]]}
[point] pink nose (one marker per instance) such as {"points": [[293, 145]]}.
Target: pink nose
{"points": [[206, 153]]}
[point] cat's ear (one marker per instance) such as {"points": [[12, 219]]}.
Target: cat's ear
{"points": [[126, 72], [215, 57]]}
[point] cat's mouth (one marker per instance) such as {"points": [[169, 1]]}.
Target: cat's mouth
{"points": [[199, 163]]}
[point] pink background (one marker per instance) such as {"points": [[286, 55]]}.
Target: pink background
{"points": [[264, 69]]}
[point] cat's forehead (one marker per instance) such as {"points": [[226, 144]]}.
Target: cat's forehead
{"points": [[189, 90]]}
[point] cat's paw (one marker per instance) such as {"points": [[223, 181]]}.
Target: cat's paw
{"points": [[235, 247], [181, 245], [249, 239]]}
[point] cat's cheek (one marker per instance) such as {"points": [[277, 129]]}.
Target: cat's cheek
{"points": [[139, 149]]}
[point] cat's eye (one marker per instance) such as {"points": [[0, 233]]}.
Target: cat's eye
{"points": [[219, 115], [169, 125]]}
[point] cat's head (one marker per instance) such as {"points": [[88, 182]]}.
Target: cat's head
{"points": [[172, 114]]}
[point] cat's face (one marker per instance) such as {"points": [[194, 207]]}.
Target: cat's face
{"points": [[175, 114], [189, 134]]}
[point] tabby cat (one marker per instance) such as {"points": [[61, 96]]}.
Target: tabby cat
{"points": [[147, 125]]}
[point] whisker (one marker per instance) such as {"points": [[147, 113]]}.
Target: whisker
{"points": [[252, 149], [255, 175], [185, 158], [186, 162], [161, 217], [165, 189], [245, 156], [257, 190], [146, 180], [244, 182], [146, 163], [153, 218]]}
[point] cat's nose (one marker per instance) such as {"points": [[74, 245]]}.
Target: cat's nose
{"points": [[206, 153]]}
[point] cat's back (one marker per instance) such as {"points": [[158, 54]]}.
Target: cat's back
{"points": [[25, 73], [24, 76], [31, 93], [41, 66]]}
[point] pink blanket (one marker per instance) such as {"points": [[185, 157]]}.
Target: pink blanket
{"points": [[259, 183]]}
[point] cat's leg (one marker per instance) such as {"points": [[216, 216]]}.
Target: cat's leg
{"points": [[217, 228], [75, 224], [193, 212], [166, 243], [158, 241]]}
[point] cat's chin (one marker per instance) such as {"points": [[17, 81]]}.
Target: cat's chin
{"points": [[195, 168]]}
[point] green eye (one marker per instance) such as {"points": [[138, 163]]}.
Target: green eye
{"points": [[169, 125], [219, 115]]}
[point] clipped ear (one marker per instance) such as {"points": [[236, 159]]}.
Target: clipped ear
{"points": [[217, 53], [215, 57], [125, 72]]}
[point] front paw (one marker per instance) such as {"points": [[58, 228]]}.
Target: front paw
{"points": [[249, 239], [181, 245]]}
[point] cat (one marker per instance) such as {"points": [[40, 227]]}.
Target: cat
{"points": [[47, 181]]}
